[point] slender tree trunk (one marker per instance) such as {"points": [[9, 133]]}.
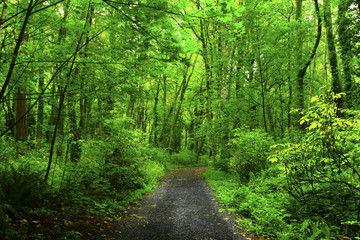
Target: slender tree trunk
{"points": [[21, 130], [183, 87], [83, 97], [306, 62], [53, 118], [346, 50], [299, 48], [40, 112], [204, 38], [53, 140], [75, 150], [153, 133], [3, 13], [82, 108], [335, 84], [312, 82], [324, 69], [16, 51]]}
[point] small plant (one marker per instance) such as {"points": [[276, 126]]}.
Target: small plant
{"points": [[72, 235]]}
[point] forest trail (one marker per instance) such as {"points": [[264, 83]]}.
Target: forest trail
{"points": [[182, 207]]}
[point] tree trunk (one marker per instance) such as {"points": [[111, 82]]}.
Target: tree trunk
{"points": [[299, 56], [21, 130], [153, 133], [307, 61], [40, 112], [16, 51], [75, 150], [346, 53], [335, 84], [3, 13], [182, 89]]}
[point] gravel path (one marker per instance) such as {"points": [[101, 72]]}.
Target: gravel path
{"points": [[182, 207]]}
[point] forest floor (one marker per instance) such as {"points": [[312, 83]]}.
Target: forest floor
{"points": [[182, 207]]}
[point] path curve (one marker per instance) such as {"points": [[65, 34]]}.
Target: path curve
{"points": [[182, 207]]}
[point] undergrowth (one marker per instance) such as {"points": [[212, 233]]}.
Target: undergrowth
{"points": [[306, 189], [112, 173]]}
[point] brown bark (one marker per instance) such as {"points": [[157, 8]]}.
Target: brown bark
{"points": [[21, 130]]}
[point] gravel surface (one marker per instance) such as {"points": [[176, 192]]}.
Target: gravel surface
{"points": [[182, 207]]}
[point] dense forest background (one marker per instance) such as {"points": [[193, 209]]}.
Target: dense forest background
{"points": [[100, 97]]}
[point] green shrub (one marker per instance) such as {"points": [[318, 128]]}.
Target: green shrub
{"points": [[184, 158], [152, 172], [159, 155], [250, 151], [204, 160], [7, 150], [221, 163]]}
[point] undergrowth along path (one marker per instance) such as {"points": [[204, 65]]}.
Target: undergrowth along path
{"points": [[182, 207]]}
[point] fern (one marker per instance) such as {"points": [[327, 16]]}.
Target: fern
{"points": [[19, 186], [8, 209]]}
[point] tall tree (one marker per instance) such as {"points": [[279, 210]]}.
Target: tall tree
{"points": [[344, 33], [335, 84]]}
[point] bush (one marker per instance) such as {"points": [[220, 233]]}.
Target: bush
{"points": [[152, 172], [250, 151], [159, 155], [221, 163], [184, 158]]}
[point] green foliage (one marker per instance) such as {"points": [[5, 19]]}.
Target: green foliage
{"points": [[316, 230], [248, 152], [158, 155], [151, 172], [261, 203], [251, 149], [72, 235], [20, 185], [221, 162], [5, 228], [113, 172], [184, 158], [322, 169], [139, 75], [265, 207], [21, 188]]}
